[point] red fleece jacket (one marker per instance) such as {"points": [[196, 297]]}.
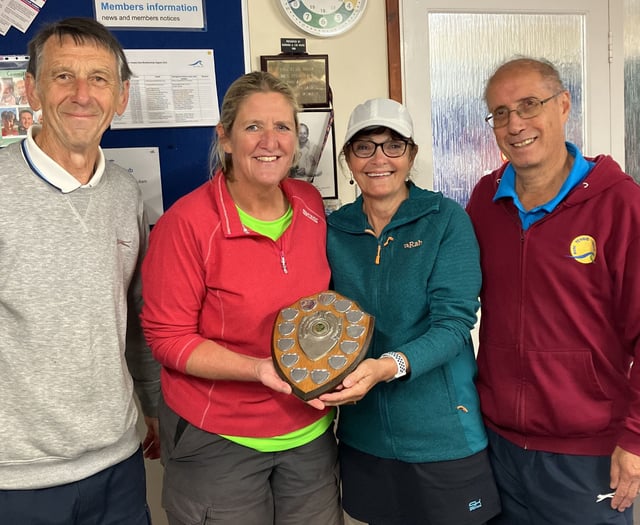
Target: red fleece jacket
{"points": [[206, 276]]}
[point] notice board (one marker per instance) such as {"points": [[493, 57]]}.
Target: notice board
{"points": [[183, 150]]}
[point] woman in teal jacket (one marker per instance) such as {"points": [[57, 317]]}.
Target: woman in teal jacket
{"points": [[412, 441]]}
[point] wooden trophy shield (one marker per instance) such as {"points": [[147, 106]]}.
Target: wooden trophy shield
{"points": [[319, 340]]}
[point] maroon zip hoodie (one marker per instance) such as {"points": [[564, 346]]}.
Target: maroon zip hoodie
{"points": [[560, 322]]}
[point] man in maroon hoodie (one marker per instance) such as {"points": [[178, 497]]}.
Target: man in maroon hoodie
{"points": [[559, 237]]}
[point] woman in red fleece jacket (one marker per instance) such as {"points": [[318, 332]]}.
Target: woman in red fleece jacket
{"points": [[223, 261]]}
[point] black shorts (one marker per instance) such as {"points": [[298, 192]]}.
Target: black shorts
{"points": [[389, 492]]}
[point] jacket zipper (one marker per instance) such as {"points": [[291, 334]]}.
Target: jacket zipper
{"points": [[281, 253], [521, 354]]}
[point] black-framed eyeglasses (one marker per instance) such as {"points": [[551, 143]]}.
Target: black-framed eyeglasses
{"points": [[365, 149], [528, 108]]}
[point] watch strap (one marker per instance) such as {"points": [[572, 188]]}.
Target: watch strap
{"points": [[400, 363]]}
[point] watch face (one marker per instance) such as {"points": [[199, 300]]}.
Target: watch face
{"points": [[324, 17]]}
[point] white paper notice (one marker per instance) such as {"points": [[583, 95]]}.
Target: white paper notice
{"points": [[144, 165], [20, 13], [4, 26], [170, 88]]}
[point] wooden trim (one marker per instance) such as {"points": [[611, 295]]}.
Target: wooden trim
{"points": [[394, 70]]}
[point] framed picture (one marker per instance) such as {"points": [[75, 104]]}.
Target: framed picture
{"points": [[308, 75], [317, 159]]}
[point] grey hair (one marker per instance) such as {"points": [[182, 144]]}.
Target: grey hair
{"points": [[543, 67], [82, 30]]}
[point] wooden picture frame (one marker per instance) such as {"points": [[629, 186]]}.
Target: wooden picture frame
{"points": [[308, 75]]}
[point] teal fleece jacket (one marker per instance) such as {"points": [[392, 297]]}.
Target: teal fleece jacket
{"points": [[421, 280]]}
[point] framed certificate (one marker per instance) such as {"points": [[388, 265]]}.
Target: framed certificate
{"points": [[308, 75]]}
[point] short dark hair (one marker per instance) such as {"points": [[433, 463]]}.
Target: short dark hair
{"points": [[376, 130], [82, 30]]}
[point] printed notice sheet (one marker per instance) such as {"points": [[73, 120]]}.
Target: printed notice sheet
{"points": [[18, 13], [4, 24], [144, 166], [170, 88]]}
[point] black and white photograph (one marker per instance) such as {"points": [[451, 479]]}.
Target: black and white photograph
{"points": [[317, 158]]}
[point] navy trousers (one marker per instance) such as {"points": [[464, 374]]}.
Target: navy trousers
{"points": [[115, 496], [555, 489]]}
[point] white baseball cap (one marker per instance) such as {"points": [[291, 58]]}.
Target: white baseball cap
{"points": [[380, 112]]}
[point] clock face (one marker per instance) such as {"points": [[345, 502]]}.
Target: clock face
{"points": [[324, 17]]}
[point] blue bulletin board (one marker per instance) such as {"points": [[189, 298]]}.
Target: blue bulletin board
{"points": [[183, 150]]}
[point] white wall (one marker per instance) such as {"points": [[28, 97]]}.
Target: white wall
{"points": [[357, 60]]}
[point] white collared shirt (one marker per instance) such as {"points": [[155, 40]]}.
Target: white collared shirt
{"points": [[50, 171]]}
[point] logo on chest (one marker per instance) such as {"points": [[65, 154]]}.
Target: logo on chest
{"points": [[583, 249], [412, 244]]}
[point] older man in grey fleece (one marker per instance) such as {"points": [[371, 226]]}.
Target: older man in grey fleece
{"points": [[72, 234]]}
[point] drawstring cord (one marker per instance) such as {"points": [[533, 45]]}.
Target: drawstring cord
{"points": [[380, 246]]}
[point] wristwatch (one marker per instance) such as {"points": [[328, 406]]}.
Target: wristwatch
{"points": [[400, 363]]}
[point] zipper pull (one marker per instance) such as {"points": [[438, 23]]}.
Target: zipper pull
{"points": [[389, 239], [283, 262]]}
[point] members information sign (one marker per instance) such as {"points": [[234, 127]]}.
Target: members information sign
{"points": [[188, 14]]}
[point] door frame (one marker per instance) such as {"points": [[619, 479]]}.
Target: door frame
{"points": [[609, 108]]}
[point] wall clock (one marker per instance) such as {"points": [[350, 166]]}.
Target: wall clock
{"points": [[323, 18]]}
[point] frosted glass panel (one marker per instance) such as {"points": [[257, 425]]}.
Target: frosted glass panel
{"points": [[632, 87], [465, 48]]}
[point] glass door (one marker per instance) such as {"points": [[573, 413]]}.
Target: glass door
{"points": [[448, 54]]}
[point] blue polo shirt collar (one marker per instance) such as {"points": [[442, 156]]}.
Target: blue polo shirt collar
{"points": [[507, 187]]}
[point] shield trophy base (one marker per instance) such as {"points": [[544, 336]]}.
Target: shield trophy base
{"points": [[318, 341]]}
